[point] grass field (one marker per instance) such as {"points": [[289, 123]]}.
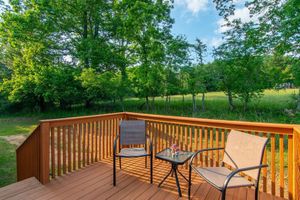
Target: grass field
{"points": [[274, 106]]}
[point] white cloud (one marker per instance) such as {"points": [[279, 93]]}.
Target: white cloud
{"points": [[240, 13], [194, 6], [213, 42], [238, 1], [216, 41]]}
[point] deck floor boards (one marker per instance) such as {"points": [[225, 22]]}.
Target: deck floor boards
{"points": [[95, 182]]}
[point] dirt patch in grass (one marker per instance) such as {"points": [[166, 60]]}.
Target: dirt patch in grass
{"points": [[14, 139]]}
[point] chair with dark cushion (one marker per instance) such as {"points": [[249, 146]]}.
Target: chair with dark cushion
{"points": [[244, 153], [132, 132]]}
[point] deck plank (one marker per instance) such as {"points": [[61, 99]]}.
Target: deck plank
{"points": [[95, 182], [19, 188]]}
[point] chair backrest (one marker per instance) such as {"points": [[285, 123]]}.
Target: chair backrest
{"points": [[132, 132], [244, 150]]}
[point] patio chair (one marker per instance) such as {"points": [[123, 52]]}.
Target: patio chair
{"points": [[244, 153], [132, 132]]}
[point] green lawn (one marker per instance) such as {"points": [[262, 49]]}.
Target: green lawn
{"points": [[7, 163], [270, 108], [16, 126]]}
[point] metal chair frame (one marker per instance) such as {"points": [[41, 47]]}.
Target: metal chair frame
{"points": [[230, 176], [115, 155]]}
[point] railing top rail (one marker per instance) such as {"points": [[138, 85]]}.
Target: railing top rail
{"points": [[297, 128], [216, 123], [242, 125], [68, 120]]}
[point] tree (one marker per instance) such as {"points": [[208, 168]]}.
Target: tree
{"points": [[177, 57], [278, 25], [151, 26], [28, 40], [194, 84], [200, 49], [243, 63]]}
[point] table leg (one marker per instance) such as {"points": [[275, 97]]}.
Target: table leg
{"points": [[171, 171], [174, 170], [177, 181], [182, 175]]}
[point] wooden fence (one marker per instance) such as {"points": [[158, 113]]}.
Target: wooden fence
{"points": [[60, 146]]}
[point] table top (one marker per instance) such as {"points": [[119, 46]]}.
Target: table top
{"points": [[180, 159]]}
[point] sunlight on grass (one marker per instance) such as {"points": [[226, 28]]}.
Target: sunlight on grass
{"points": [[15, 127]]}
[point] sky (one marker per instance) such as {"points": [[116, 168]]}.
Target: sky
{"points": [[199, 19]]}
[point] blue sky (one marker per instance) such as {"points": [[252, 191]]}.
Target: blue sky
{"points": [[199, 19]]}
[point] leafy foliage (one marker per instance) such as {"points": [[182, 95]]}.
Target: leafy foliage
{"points": [[61, 53]]}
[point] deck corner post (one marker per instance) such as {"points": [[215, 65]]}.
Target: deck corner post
{"points": [[125, 116], [44, 152], [296, 163]]}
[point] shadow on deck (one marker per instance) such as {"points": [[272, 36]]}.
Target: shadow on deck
{"points": [[95, 182]]}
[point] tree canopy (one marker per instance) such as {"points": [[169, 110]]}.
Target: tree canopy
{"points": [[62, 53]]}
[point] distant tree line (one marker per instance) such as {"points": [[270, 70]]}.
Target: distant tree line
{"points": [[63, 53]]}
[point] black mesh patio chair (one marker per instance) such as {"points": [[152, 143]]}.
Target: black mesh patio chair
{"points": [[244, 153], [132, 132]]}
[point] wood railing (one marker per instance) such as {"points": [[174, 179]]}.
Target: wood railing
{"points": [[61, 146], [28, 157]]}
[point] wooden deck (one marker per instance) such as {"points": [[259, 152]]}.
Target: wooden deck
{"points": [[95, 182]]}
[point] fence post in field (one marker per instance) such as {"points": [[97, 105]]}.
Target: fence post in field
{"points": [[44, 152], [296, 165]]}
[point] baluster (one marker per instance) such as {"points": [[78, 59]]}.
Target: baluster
{"points": [[290, 166], [64, 151], [281, 165], [58, 152], [69, 149], [217, 146], [52, 152], [211, 144], [273, 167], [74, 145], [79, 146]]}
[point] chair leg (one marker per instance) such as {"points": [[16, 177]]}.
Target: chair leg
{"points": [[114, 170], [223, 196], [146, 161], [120, 165], [190, 182], [151, 169], [256, 193]]}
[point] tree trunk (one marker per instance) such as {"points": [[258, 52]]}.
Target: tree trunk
{"points": [[153, 104], [230, 100], [183, 103], [246, 101], [88, 103], [147, 103], [194, 104], [298, 102], [203, 102], [41, 103], [122, 103], [166, 103]]}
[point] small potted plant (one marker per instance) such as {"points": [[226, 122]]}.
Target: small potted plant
{"points": [[174, 150]]}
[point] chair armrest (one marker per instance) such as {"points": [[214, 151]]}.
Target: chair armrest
{"points": [[201, 151], [115, 145], [150, 143], [229, 177]]}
